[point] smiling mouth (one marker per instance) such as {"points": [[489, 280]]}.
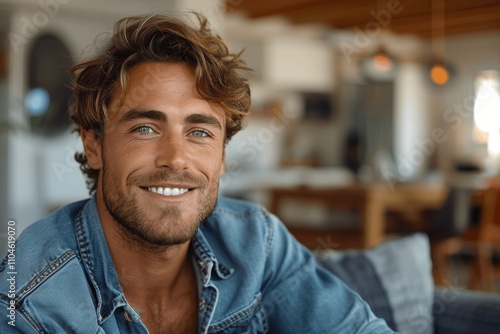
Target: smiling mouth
{"points": [[165, 191]]}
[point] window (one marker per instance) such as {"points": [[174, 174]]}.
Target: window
{"points": [[49, 82], [487, 110]]}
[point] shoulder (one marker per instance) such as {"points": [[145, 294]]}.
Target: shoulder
{"points": [[237, 228], [47, 243], [39, 275], [242, 227], [233, 219], [56, 225]]}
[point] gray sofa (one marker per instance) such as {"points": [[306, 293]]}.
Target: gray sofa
{"points": [[395, 279]]}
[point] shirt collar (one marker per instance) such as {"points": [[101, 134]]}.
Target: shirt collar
{"points": [[98, 263], [207, 261]]}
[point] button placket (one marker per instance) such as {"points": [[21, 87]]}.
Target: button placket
{"points": [[207, 306]]}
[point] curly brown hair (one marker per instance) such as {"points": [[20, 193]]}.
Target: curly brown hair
{"points": [[157, 38]]}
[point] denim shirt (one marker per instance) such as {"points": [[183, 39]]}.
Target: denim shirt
{"points": [[253, 277]]}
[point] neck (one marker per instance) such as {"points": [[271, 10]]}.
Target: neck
{"points": [[146, 275], [146, 272]]}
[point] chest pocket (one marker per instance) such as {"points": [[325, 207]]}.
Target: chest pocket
{"points": [[250, 320]]}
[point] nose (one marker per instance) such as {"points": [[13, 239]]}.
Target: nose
{"points": [[171, 154]]}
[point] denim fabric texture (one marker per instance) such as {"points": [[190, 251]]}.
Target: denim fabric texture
{"points": [[253, 278]]}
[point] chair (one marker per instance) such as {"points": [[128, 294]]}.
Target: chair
{"points": [[485, 236]]}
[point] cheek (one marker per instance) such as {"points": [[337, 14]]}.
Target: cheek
{"points": [[220, 168], [121, 147], [210, 163], [217, 169], [121, 157]]}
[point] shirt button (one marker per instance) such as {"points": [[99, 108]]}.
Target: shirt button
{"points": [[202, 305], [202, 265], [127, 317]]}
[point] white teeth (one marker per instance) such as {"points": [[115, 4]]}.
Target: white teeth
{"points": [[168, 191]]}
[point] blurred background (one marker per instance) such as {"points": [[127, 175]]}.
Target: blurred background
{"points": [[370, 118]]}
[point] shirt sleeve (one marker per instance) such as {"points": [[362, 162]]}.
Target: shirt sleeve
{"points": [[299, 296]]}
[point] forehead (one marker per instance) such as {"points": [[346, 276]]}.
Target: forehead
{"points": [[151, 85], [150, 74]]}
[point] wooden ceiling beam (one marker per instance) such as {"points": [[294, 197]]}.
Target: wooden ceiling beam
{"points": [[263, 8], [345, 13], [333, 12], [454, 22], [414, 18]]}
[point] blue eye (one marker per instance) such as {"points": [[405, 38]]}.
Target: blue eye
{"points": [[144, 130], [200, 134]]}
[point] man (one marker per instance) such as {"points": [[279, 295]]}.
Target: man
{"points": [[154, 249]]}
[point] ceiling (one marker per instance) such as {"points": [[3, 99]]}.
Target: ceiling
{"points": [[424, 18]]}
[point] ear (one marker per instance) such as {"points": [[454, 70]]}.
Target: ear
{"points": [[92, 148]]}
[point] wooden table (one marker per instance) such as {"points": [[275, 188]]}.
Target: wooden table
{"points": [[372, 201]]}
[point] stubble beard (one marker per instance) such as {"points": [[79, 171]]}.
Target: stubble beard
{"points": [[167, 229]]}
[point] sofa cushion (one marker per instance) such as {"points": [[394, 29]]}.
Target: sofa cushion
{"points": [[395, 279]]}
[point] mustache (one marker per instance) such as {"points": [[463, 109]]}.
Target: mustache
{"points": [[168, 177]]}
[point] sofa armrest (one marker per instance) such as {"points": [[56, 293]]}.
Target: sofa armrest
{"points": [[458, 311]]}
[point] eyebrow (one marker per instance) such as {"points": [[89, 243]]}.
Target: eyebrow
{"points": [[203, 119], [160, 116], [136, 114]]}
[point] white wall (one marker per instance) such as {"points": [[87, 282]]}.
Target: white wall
{"points": [[295, 63], [413, 146]]}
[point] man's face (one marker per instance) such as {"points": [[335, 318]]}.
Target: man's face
{"points": [[161, 156]]}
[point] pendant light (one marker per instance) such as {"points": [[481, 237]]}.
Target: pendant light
{"points": [[379, 66], [439, 70]]}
